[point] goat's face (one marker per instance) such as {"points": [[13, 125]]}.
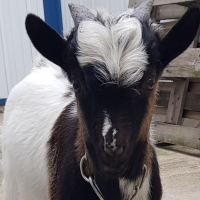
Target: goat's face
{"points": [[113, 86], [114, 80], [114, 65]]}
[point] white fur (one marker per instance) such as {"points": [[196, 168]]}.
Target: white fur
{"points": [[127, 188], [117, 46], [113, 143], [106, 125], [30, 113]]}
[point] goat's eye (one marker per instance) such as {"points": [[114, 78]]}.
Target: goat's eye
{"points": [[76, 86], [150, 83]]}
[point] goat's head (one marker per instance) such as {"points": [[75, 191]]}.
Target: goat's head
{"points": [[114, 64]]}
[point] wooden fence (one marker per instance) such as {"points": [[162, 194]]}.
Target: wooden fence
{"points": [[177, 111]]}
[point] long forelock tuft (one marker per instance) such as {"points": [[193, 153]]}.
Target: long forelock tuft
{"points": [[114, 43]]}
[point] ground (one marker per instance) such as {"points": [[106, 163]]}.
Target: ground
{"points": [[180, 171]]}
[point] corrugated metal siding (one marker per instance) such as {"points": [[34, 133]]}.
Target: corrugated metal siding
{"points": [[16, 51], [113, 6]]}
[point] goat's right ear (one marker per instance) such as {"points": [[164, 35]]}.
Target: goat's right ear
{"points": [[181, 35], [46, 40]]}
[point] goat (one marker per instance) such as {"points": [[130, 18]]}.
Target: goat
{"points": [[84, 112]]}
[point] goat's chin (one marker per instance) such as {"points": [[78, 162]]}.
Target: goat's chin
{"points": [[112, 173]]}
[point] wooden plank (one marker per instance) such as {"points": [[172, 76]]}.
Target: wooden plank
{"points": [[154, 12], [195, 80], [194, 87], [192, 101], [135, 3], [163, 98], [158, 118], [164, 2], [176, 134], [190, 122], [185, 121], [183, 150], [170, 12], [186, 65], [176, 101], [160, 110], [191, 114], [162, 102], [195, 41], [165, 86]]}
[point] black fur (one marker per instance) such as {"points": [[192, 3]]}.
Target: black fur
{"points": [[181, 35], [46, 40]]}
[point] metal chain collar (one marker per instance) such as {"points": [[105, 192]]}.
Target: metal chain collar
{"points": [[95, 186]]}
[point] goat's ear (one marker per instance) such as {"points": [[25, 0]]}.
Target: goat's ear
{"points": [[180, 36], [46, 40]]}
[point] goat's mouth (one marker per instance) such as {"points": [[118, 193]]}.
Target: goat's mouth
{"points": [[111, 167], [112, 172]]}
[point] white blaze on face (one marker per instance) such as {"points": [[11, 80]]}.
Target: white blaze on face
{"points": [[107, 125], [113, 143]]}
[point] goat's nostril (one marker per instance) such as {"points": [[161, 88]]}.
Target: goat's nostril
{"points": [[109, 151], [113, 152]]}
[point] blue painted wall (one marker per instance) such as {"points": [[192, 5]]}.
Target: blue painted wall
{"points": [[2, 101], [53, 15]]}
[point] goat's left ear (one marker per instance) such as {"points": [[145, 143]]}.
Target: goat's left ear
{"points": [[180, 36], [46, 40]]}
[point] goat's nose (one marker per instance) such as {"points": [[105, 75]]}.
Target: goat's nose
{"points": [[113, 152]]}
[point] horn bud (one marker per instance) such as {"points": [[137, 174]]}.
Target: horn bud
{"points": [[143, 11], [80, 13]]}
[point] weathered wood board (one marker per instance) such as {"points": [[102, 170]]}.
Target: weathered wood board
{"points": [[194, 123], [177, 101], [165, 85], [191, 114], [194, 86], [187, 65], [192, 101], [170, 12], [160, 110], [164, 2], [182, 135], [135, 3], [163, 98]]}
